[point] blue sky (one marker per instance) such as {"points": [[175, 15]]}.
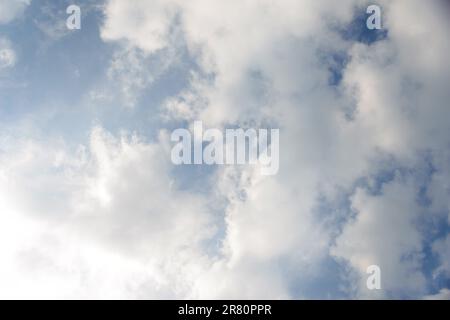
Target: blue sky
{"points": [[86, 181]]}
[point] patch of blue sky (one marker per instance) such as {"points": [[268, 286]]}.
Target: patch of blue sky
{"points": [[51, 75], [324, 282], [357, 29], [145, 116], [57, 71]]}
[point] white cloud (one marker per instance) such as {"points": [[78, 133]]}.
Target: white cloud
{"points": [[7, 54], [113, 210], [384, 233], [10, 9], [101, 221], [147, 27], [266, 66]]}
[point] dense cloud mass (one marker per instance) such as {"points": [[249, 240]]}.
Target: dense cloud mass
{"points": [[364, 176]]}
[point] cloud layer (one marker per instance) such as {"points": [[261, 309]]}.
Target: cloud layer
{"points": [[364, 148]]}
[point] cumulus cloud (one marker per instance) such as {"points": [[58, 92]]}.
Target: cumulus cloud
{"points": [[279, 71], [134, 22], [363, 173], [384, 233], [78, 223], [10, 9]]}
